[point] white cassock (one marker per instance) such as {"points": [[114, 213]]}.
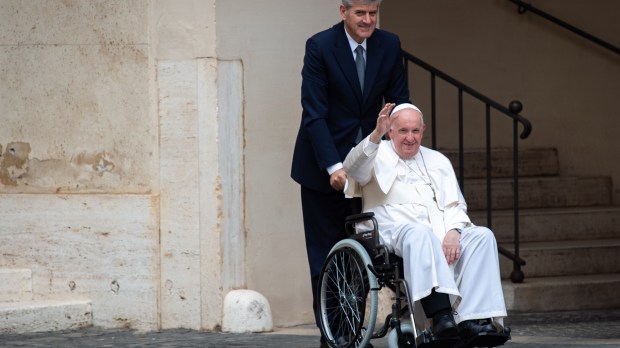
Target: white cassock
{"points": [[415, 203]]}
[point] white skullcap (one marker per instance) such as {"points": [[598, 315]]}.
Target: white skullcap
{"points": [[404, 106]]}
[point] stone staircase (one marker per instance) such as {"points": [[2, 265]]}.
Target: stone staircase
{"points": [[569, 230], [21, 313]]}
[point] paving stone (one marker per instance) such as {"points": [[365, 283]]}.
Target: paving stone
{"points": [[576, 329]]}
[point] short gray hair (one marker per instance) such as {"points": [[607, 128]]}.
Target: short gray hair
{"points": [[348, 3]]}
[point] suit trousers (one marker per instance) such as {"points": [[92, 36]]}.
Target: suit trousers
{"points": [[324, 217]]}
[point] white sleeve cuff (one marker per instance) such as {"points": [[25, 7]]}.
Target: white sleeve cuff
{"points": [[331, 169], [370, 147]]}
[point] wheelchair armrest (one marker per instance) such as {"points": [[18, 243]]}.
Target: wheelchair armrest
{"points": [[360, 217], [352, 220]]}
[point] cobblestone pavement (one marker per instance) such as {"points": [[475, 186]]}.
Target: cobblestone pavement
{"points": [[583, 329]]}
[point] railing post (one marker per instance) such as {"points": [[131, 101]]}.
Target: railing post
{"points": [[433, 111], [461, 143], [489, 168], [517, 275]]}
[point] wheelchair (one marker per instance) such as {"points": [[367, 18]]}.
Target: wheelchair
{"points": [[355, 270]]}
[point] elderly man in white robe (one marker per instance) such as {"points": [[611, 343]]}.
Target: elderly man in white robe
{"points": [[451, 266]]}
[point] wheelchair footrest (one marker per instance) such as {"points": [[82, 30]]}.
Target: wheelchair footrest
{"points": [[426, 340], [486, 339]]}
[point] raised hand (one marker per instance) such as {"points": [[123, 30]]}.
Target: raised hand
{"points": [[384, 122]]}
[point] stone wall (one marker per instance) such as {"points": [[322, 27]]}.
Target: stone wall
{"points": [[79, 163], [106, 165]]}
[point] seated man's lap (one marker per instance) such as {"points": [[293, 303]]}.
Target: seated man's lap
{"points": [[407, 235]]}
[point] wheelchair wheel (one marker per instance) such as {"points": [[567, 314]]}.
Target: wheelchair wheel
{"points": [[407, 330], [345, 287]]}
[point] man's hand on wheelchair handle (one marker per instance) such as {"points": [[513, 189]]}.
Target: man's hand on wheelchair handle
{"points": [[452, 246], [338, 179]]}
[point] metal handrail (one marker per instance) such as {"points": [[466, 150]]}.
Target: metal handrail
{"points": [[512, 111], [524, 7]]}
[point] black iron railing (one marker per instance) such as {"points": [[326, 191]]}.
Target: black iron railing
{"points": [[525, 7], [512, 111]]}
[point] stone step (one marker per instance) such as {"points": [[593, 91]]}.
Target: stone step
{"points": [[564, 258], [537, 225], [541, 192], [532, 162], [37, 316], [597, 291], [15, 284]]}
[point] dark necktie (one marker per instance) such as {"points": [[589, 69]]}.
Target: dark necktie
{"points": [[360, 64]]}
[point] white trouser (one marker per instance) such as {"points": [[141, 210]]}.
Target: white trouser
{"points": [[475, 285]]}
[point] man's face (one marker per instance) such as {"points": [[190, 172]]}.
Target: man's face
{"points": [[360, 20], [406, 133]]}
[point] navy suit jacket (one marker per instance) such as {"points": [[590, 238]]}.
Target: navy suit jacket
{"points": [[334, 107]]}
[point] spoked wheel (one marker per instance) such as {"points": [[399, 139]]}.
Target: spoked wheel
{"points": [[345, 287]]}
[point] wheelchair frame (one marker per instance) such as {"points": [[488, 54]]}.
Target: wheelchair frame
{"points": [[352, 275]]}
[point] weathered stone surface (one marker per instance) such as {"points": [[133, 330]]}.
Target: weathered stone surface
{"points": [[22, 317], [101, 248], [74, 85], [15, 285]]}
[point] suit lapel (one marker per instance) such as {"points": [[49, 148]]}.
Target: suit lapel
{"points": [[344, 57], [374, 56]]}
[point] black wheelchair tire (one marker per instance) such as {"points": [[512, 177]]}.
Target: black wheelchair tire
{"points": [[345, 280]]}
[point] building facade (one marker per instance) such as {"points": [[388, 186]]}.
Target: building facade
{"points": [[146, 144]]}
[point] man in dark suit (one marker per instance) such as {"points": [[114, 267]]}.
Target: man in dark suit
{"points": [[343, 89]]}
